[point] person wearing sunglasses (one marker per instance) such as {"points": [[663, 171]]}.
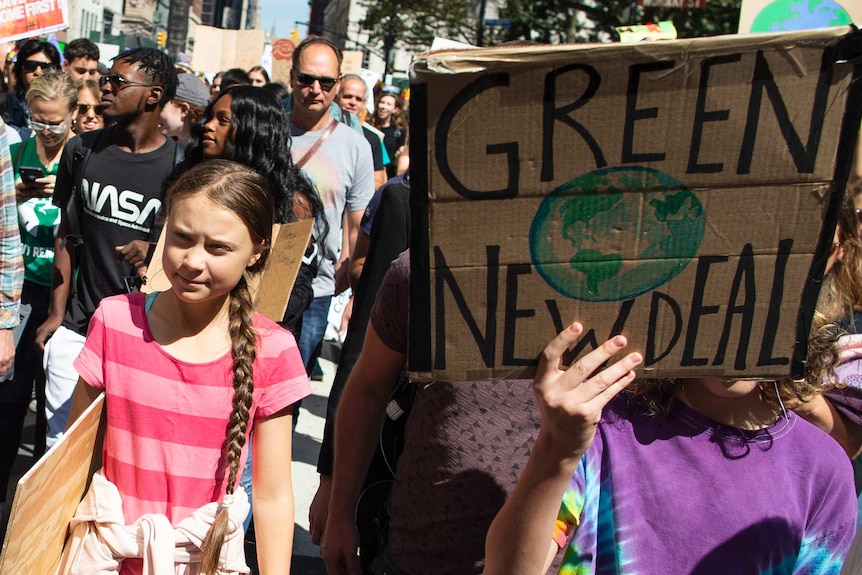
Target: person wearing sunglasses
{"points": [[35, 161], [88, 113], [338, 160], [34, 59], [104, 238]]}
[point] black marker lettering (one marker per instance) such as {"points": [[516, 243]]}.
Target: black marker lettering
{"points": [[633, 113], [441, 142], [698, 310], [513, 313], [701, 116], [486, 343], [745, 269], [552, 114]]}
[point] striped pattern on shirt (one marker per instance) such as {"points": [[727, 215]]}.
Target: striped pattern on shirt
{"points": [[167, 418]]}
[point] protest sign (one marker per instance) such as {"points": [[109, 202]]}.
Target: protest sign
{"points": [[683, 193], [217, 50], [289, 242], [47, 496], [282, 54], [29, 18]]}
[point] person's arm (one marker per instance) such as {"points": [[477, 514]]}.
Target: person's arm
{"points": [[272, 492], [11, 264], [83, 396], [357, 428], [520, 539], [357, 262], [61, 283]]}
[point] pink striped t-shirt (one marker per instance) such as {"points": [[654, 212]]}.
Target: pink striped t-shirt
{"points": [[167, 418]]}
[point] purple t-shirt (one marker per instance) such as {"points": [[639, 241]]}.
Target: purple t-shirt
{"points": [[682, 494]]}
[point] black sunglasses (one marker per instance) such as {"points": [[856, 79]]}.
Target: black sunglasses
{"points": [[33, 65], [84, 108], [118, 83], [307, 80]]}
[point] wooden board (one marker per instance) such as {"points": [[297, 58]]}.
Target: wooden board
{"points": [[46, 499], [289, 243]]}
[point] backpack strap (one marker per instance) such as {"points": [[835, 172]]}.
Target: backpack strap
{"points": [[74, 208]]}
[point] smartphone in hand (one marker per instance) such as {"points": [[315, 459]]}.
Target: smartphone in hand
{"points": [[29, 174]]}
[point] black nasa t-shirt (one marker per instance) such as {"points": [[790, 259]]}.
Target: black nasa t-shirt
{"points": [[122, 196]]}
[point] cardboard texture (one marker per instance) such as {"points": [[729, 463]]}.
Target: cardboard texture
{"points": [[790, 15], [46, 499], [289, 242], [682, 193], [217, 50], [282, 54]]}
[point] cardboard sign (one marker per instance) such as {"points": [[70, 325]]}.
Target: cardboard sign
{"points": [[46, 499], [30, 18], [217, 50], [683, 193], [288, 247], [282, 54], [791, 15]]}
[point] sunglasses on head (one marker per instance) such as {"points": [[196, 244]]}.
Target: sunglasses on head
{"points": [[307, 80], [84, 108], [118, 83], [33, 65]]}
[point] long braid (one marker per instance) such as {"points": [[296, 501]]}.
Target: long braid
{"points": [[243, 341]]}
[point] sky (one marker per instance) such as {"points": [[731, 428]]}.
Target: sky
{"points": [[283, 14]]}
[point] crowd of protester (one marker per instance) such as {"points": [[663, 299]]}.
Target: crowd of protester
{"points": [[587, 469]]}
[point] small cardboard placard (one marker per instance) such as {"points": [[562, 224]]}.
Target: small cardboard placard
{"points": [[46, 499], [289, 242], [217, 50], [683, 193]]}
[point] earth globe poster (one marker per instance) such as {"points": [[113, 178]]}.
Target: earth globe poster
{"points": [[794, 15]]}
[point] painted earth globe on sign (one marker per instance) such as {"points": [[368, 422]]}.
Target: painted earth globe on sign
{"points": [[615, 233], [788, 15]]}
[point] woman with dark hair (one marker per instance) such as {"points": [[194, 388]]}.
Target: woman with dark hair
{"points": [[34, 59], [258, 76], [248, 125]]}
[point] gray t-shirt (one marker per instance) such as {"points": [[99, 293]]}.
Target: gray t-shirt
{"points": [[342, 171]]}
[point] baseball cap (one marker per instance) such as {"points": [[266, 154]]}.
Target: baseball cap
{"points": [[192, 90]]}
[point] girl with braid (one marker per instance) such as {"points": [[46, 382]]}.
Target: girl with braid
{"points": [[188, 374]]}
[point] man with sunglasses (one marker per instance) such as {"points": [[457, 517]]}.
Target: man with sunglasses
{"points": [[109, 189], [338, 161]]}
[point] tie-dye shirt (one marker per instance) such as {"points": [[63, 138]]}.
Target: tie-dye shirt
{"points": [[681, 494]]}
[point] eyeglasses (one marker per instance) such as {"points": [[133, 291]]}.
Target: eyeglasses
{"points": [[118, 83], [53, 128], [84, 108], [307, 80], [33, 65]]}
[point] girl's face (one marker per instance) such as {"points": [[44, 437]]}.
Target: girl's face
{"points": [[172, 118], [55, 116], [207, 249], [385, 107], [88, 115], [257, 79], [34, 66], [217, 129]]}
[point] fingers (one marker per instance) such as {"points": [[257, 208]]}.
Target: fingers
{"points": [[549, 360]]}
